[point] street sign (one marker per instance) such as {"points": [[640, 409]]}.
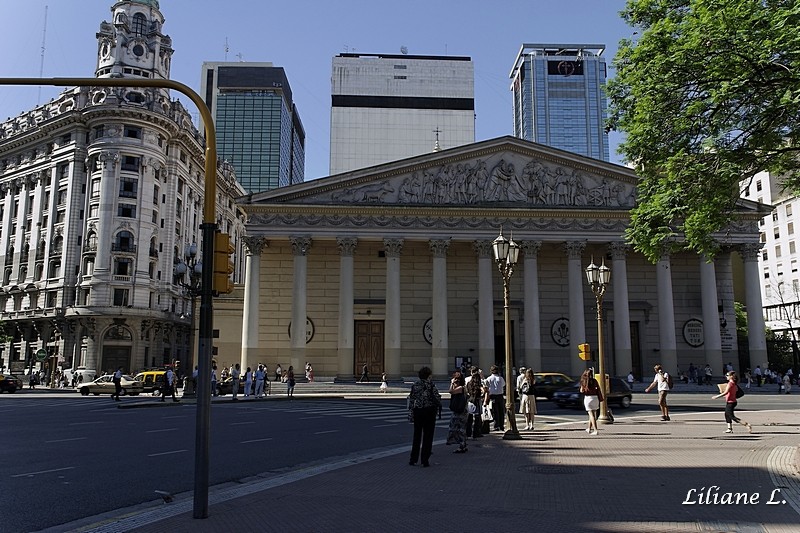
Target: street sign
{"points": [[41, 354]]}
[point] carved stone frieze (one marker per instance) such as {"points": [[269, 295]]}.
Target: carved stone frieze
{"points": [[750, 252], [439, 247], [618, 250], [482, 248], [300, 245], [530, 248], [574, 249], [347, 246], [393, 247], [507, 178]]}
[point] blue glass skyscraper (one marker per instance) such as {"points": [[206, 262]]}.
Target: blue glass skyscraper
{"points": [[559, 97]]}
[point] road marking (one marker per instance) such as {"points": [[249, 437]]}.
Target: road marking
{"points": [[64, 440], [86, 423], [169, 417], [241, 423], [44, 472], [310, 418], [160, 430], [323, 432], [165, 453], [385, 426], [254, 440]]}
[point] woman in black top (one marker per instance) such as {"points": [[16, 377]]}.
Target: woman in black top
{"points": [[423, 404]]}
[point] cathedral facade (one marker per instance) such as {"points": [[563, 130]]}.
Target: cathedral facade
{"points": [[391, 266]]}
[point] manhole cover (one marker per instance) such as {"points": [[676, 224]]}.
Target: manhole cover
{"points": [[547, 470]]}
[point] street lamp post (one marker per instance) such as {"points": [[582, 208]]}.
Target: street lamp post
{"points": [[506, 253], [194, 267], [599, 278]]}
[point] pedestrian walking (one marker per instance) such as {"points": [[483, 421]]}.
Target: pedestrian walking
{"points": [[260, 381], [631, 379], [170, 381], [730, 392], [757, 373], [476, 394], [384, 385], [592, 396], [456, 433], [496, 384], [214, 391], [117, 379], [661, 380], [236, 373], [787, 383], [248, 382], [527, 402], [364, 374], [278, 374], [424, 401], [290, 382]]}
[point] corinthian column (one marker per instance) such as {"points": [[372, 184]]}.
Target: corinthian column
{"points": [[439, 348], [485, 304], [532, 324], [300, 246], [623, 359], [250, 320], [756, 337], [577, 323], [392, 249], [346, 343]]}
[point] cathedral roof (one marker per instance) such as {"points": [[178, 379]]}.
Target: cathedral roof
{"points": [[152, 3]]}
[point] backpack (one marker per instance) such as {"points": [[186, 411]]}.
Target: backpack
{"points": [[670, 384]]}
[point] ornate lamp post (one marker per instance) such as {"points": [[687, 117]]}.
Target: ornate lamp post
{"points": [[192, 266], [599, 278], [506, 253]]}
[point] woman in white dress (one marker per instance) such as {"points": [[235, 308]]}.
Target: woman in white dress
{"points": [[527, 404]]}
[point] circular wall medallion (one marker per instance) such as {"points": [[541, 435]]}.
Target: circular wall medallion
{"points": [[138, 50], [427, 331], [559, 331], [693, 332], [309, 330]]}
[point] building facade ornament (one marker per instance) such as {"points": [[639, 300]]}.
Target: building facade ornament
{"points": [[108, 157], [574, 249], [393, 247], [530, 248], [347, 246], [482, 248], [750, 252], [439, 247], [300, 245], [618, 250], [255, 245]]}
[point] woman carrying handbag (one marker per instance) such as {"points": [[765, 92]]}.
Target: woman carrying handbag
{"points": [[458, 419], [592, 396]]}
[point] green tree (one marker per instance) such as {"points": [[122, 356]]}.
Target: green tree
{"points": [[708, 94]]}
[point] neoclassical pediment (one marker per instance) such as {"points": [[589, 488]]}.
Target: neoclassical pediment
{"points": [[506, 171]]}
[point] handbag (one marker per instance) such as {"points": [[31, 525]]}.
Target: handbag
{"points": [[739, 391], [458, 402], [471, 408], [486, 415]]}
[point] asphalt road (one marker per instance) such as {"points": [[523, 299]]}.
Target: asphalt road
{"points": [[64, 457]]}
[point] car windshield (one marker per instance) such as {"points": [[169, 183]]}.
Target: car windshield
{"points": [[126, 376]]}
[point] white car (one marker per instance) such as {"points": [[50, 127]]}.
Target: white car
{"points": [[82, 375], [105, 385]]}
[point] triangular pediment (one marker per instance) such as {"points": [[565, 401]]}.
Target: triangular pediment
{"points": [[506, 171]]}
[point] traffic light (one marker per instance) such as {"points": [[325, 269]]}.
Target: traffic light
{"points": [[584, 352], [223, 264]]}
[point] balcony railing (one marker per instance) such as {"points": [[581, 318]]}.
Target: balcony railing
{"points": [[129, 248], [117, 277]]}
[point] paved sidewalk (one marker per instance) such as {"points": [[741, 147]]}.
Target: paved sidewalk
{"points": [[634, 476]]}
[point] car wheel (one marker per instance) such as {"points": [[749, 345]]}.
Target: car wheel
{"points": [[625, 402], [134, 394], [96, 393], [84, 391]]}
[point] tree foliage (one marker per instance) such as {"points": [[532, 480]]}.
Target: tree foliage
{"points": [[708, 94]]}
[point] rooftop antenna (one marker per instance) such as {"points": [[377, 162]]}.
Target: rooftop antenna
{"points": [[404, 49], [227, 49], [241, 57], [41, 62]]}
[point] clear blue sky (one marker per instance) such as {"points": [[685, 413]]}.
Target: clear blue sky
{"points": [[302, 36]]}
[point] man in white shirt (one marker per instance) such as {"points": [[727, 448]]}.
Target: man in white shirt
{"points": [[757, 373], [260, 381], [661, 380], [236, 373], [496, 384]]}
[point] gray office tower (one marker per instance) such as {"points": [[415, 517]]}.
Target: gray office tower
{"points": [[258, 127], [559, 97]]}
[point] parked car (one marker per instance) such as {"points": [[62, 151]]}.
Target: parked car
{"points": [[620, 394], [546, 383], [152, 380], [9, 383], [105, 385], [226, 387]]}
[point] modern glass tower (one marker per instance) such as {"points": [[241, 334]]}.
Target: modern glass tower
{"points": [[387, 107], [258, 127], [559, 97]]}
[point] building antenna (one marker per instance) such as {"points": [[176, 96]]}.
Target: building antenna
{"points": [[41, 61], [226, 49]]}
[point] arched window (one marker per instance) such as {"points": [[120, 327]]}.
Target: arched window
{"points": [[124, 242], [91, 241], [139, 25], [58, 245]]}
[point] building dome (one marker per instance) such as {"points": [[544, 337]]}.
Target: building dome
{"points": [[151, 3]]}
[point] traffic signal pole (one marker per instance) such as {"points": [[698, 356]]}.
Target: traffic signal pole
{"points": [[208, 227]]}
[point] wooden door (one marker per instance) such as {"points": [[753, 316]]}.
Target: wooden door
{"points": [[369, 348]]}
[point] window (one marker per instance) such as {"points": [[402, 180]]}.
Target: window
{"points": [[52, 299], [54, 271], [758, 185], [767, 291], [788, 210], [139, 24], [122, 266], [777, 251], [796, 286], [121, 297], [155, 194], [61, 216], [792, 247], [776, 233], [94, 192], [133, 132], [766, 275], [180, 186], [62, 196], [124, 242], [130, 162], [94, 210], [790, 228], [63, 171], [126, 210], [128, 187], [764, 255], [99, 132]]}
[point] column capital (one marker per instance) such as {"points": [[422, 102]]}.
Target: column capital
{"points": [[574, 249], [300, 245], [393, 247], [439, 247], [347, 246], [749, 252], [255, 245], [482, 248], [618, 249], [108, 157], [531, 248]]}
